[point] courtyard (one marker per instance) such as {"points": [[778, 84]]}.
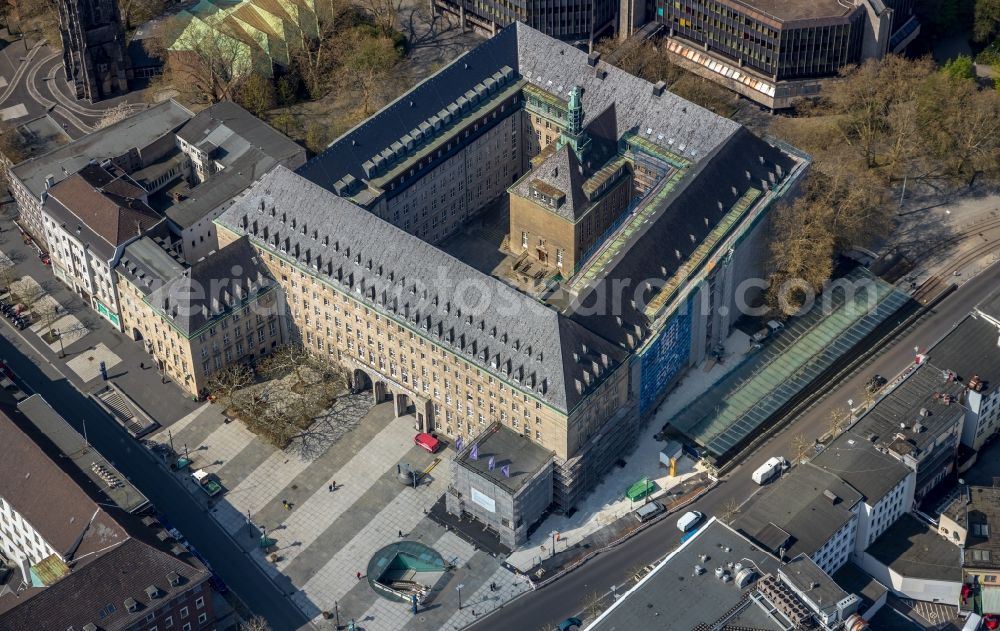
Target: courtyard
{"points": [[329, 502]]}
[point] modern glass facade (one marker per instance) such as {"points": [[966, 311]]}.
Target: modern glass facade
{"points": [[563, 19], [783, 50]]}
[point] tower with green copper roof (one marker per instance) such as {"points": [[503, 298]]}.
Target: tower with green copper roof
{"points": [[574, 135]]}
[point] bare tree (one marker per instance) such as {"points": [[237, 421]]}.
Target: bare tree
{"points": [[384, 13], [838, 419], [594, 606], [208, 64], [316, 60], [729, 510], [135, 12], [800, 447], [26, 292], [366, 63], [225, 383], [256, 623], [257, 95], [293, 358]]}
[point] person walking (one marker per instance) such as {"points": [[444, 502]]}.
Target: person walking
{"points": [[359, 576]]}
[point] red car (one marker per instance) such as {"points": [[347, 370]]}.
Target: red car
{"points": [[428, 442]]}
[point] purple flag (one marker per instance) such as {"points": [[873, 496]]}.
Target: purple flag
{"points": [[493, 462], [505, 470], [475, 452], [458, 444]]}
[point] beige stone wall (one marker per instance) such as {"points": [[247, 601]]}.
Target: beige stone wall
{"points": [[547, 234], [600, 217], [462, 398], [538, 225], [243, 335], [440, 202]]}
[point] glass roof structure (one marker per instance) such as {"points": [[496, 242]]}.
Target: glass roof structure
{"points": [[740, 404]]}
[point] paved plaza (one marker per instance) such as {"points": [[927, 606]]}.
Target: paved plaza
{"points": [[324, 538]]}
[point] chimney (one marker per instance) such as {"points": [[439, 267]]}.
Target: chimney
{"points": [[659, 88], [50, 181], [593, 58]]}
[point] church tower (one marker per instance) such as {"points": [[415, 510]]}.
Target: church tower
{"points": [[93, 48]]}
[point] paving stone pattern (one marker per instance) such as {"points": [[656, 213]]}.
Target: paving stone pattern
{"points": [[324, 538]]}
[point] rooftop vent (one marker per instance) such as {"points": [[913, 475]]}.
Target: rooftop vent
{"points": [[830, 495]]}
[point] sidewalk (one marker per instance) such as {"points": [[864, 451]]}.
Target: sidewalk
{"points": [[100, 341]]}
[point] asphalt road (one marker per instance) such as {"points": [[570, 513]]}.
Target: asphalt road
{"points": [[161, 487], [569, 595]]}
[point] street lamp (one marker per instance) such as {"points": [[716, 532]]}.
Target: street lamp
{"points": [[62, 350], [850, 406], [459, 590]]}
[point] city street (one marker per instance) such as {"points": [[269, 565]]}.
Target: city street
{"points": [[36, 375], [570, 595], [33, 84]]}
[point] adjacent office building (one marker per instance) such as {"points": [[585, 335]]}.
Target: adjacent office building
{"points": [[831, 508], [130, 144], [775, 52], [568, 20], [718, 579], [89, 219], [195, 321], [75, 557]]}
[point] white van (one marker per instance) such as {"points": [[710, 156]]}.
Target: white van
{"points": [[769, 470], [689, 520]]}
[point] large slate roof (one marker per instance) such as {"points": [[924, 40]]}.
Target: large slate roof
{"points": [[116, 576], [665, 242], [492, 325], [221, 281], [563, 172], [683, 127]]}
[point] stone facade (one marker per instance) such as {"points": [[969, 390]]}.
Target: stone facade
{"points": [[93, 41]]}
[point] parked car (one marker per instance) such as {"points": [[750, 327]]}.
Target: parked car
{"points": [[648, 511], [570, 623], [689, 520], [428, 442]]}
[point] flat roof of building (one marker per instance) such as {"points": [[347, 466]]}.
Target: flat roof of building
{"points": [[816, 586], [799, 512], [791, 10], [508, 449], [673, 596], [854, 459], [916, 550], [87, 459], [854, 580], [970, 349], [913, 415], [136, 131]]}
